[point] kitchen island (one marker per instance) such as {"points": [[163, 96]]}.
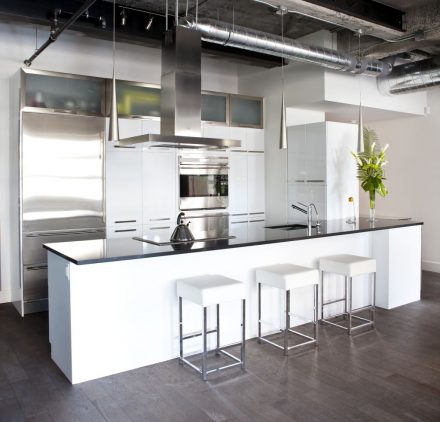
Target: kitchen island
{"points": [[113, 305]]}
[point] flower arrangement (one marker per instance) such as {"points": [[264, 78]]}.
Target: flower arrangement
{"points": [[370, 164]]}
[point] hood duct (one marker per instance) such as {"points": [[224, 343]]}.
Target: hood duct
{"points": [[411, 77], [181, 97], [239, 37]]}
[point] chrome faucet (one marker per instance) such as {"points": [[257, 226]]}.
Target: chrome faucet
{"points": [[308, 210]]}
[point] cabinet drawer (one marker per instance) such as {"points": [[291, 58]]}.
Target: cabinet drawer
{"points": [[115, 232], [34, 282]]}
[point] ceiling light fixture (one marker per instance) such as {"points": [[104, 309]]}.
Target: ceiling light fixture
{"points": [[123, 17], [113, 131], [283, 129], [149, 23]]}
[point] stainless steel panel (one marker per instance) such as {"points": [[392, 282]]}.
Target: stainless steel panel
{"points": [[181, 83], [62, 176], [208, 225], [204, 203], [33, 250], [34, 282]]}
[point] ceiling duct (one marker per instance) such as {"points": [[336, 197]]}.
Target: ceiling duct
{"points": [[261, 42], [411, 77]]}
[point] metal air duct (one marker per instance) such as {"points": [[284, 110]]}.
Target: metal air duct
{"points": [[261, 42], [411, 77]]}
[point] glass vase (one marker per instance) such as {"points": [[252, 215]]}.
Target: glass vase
{"points": [[372, 216]]}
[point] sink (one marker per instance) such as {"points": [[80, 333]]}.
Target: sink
{"points": [[289, 227]]}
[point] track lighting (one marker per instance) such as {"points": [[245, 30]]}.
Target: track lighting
{"points": [[123, 17]]}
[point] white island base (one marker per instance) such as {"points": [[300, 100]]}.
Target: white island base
{"points": [[110, 317]]}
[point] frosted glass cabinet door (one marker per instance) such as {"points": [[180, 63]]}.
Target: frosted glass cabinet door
{"points": [[159, 186], [246, 111], [256, 199], [81, 95], [137, 99], [238, 181], [215, 108]]}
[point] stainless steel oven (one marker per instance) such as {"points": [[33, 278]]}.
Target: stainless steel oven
{"points": [[203, 183]]}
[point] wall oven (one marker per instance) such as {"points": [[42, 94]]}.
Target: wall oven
{"points": [[203, 183]]}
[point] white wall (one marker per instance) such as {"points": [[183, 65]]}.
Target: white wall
{"points": [[413, 175], [76, 54]]}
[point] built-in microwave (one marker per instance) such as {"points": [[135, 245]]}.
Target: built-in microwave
{"points": [[203, 183]]}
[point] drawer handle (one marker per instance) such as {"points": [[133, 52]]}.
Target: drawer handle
{"points": [[158, 228], [124, 230], [238, 215], [36, 267], [125, 221], [160, 219], [256, 221], [256, 213], [236, 222]]}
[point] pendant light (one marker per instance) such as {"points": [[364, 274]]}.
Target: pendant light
{"points": [[360, 142], [283, 130], [113, 131]]}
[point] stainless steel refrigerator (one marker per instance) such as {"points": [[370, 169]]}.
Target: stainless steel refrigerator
{"points": [[61, 169]]}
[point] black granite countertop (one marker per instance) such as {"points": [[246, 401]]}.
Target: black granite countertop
{"points": [[106, 250]]}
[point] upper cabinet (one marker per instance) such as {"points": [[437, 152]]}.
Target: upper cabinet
{"points": [[136, 99], [62, 93], [246, 111], [215, 108]]}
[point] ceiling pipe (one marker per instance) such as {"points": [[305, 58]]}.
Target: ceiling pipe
{"points": [[54, 34], [411, 77], [261, 42]]}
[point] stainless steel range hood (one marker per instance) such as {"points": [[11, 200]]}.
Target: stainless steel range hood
{"points": [[181, 99]]}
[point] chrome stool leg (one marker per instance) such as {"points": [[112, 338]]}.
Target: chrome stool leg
{"points": [[315, 313], [350, 305], [345, 297], [243, 334], [286, 331], [373, 301], [322, 297], [180, 331], [259, 312], [217, 351], [205, 348]]}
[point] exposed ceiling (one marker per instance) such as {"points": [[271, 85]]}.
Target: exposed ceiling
{"points": [[411, 28]]}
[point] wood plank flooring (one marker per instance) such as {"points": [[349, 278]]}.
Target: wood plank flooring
{"points": [[391, 374]]}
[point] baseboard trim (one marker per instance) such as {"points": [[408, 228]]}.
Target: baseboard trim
{"points": [[431, 266], [5, 296]]}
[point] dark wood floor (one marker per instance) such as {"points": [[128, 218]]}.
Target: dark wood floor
{"points": [[392, 374]]}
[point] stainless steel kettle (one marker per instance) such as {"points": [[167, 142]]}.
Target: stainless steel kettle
{"points": [[181, 233]]}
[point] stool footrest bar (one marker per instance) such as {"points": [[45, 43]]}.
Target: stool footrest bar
{"points": [[210, 371], [300, 334], [301, 344], [362, 325], [334, 301], [198, 334], [363, 308], [334, 324]]}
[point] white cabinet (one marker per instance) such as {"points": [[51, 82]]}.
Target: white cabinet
{"points": [[321, 169], [159, 186], [238, 183], [150, 126], [239, 134], [256, 183], [123, 186], [255, 140]]}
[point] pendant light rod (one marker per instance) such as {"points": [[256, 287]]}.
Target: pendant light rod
{"points": [[283, 129], [360, 142], [113, 133]]}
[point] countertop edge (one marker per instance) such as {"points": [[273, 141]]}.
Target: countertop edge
{"points": [[217, 247]]}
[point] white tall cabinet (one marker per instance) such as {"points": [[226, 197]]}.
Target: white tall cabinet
{"points": [[321, 168]]}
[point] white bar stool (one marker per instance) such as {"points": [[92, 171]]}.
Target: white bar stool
{"points": [[349, 266], [205, 291], [288, 277]]}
